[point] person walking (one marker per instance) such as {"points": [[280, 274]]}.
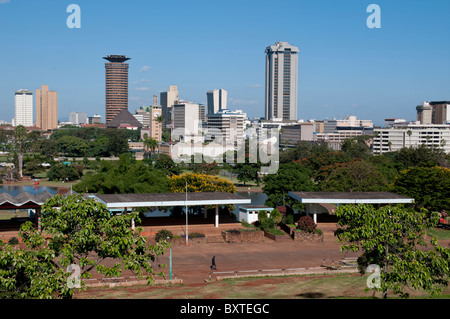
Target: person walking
{"points": [[213, 263]]}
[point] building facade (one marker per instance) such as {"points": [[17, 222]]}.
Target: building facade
{"points": [[231, 125], [77, 118], [167, 100], [116, 85], [281, 82], [216, 100], [412, 135], [46, 109], [23, 100], [186, 119]]}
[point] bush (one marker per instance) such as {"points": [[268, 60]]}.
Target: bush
{"points": [[275, 215], [306, 223], [13, 241], [289, 219], [163, 234]]}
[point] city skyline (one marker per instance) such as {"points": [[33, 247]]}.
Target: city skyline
{"points": [[345, 68]]}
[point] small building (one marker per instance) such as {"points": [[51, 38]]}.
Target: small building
{"points": [[249, 213]]}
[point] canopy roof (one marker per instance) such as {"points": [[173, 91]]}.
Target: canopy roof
{"points": [[169, 199], [23, 200], [350, 198]]}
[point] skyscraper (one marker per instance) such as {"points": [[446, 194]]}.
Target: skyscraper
{"points": [[116, 82], [281, 82], [216, 100], [46, 108], [168, 99], [23, 108]]}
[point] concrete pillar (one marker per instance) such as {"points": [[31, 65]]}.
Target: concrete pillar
{"points": [[216, 222], [314, 214]]}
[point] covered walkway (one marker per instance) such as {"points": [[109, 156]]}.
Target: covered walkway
{"points": [[132, 201], [314, 199]]}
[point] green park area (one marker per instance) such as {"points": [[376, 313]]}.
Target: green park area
{"points": [[390, 236]]}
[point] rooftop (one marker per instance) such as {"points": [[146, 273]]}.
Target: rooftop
{"points": [[350, 197], [116, 58]]}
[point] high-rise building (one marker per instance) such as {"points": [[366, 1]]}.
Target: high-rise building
{"points": [[231, 124], [216, 100], [168, 100], [281, 82], [116, 81], [46, 108], [77, 118], [186, 118], [23, 108]]}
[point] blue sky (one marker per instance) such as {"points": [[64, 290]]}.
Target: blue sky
{"points": [[345, 68]]}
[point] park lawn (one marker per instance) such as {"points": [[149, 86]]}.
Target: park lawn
{"points": [[283, 287]]}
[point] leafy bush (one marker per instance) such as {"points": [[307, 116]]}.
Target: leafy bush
{"points": [[264, 221], [163, 234], [306, 223], [13, 241], [275, 215], [289, 219]]}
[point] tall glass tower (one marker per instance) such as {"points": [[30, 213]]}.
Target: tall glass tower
{"points": [[116, 80], [281, 82]]}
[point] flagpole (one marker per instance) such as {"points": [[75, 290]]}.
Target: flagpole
{"points": [[186, 208]]}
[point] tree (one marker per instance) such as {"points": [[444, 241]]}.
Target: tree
{"points": [[125, 176], [392, 238], [62, 172], [356, 176], [357, 147], [76, 232], [150, 144], [200, 183], [429, 186], [290, 177]]}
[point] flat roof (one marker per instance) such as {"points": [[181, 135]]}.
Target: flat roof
{"points": [[350, 198], [169, 199]]}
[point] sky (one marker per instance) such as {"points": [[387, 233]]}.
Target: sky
{"points": [[345, 68]]}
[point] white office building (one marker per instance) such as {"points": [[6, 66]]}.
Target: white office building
{"points": [[186, 119], [412, 135], [216, 100], [23, 108], [281, 82]]}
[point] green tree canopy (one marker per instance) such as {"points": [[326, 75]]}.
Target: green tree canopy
{"points": [[290, 177], [393, 238], [356, 176], [76, 232], [429, 186], [125, 176]]}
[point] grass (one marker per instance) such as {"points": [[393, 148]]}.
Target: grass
{"points": [[283, 287], [440, 234]]}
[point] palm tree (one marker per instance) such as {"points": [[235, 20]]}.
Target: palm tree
{"points": [[150, 144]]}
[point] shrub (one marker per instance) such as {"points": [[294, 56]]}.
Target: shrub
{"points": [[13, 241], [275, 215], [163, 234], [289, 219], [306, 223]]}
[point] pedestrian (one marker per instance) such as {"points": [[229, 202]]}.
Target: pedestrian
{"points": [[213, 265]]}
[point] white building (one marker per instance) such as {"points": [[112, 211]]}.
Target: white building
{"points": [[231, 124], [412, 135], [281, 82], [216, 100], [186, 119], [23, 108], [77, 118]]}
